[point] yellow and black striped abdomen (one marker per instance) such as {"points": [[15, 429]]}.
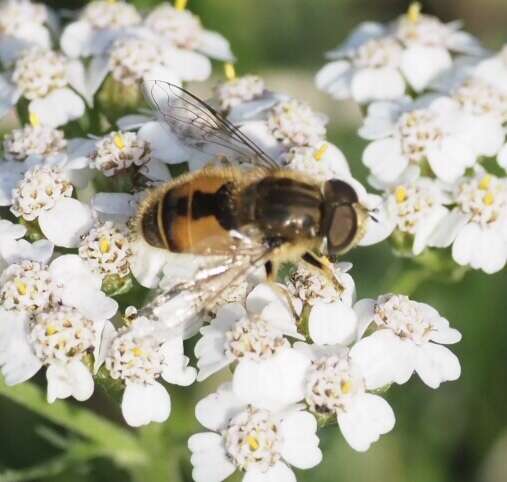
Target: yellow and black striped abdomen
{"points": [[193, 214]]}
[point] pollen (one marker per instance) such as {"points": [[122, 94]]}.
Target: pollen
{"points": [[180, 5], [104, 245], [136, 351], [21, 287], [345, 386], [252, 442], [320, 152], [488, 198], [34, 119], [400, 194], [230, 71], [51, 330], [414, 12], [119, 142], [485, 182]]}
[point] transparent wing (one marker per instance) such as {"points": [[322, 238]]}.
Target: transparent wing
{"points": [[180, 303], [201, 127]]}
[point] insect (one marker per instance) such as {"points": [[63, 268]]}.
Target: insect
{"points": [[239, 216]]}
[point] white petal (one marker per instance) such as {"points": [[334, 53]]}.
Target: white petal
{"points": [[448, 228], [502, 157], [10, 174], [216, 46], [9, 95], [164, 143], [365, 311], [76, 39], [66, 222], [380, 120], [332, 323], [186, 65], [278, 473], [335, 78], [300, 442], [147, 263], [114, 204], [142, 404], [379, 227], [215, 411], [68, 267], [384, 83], [449, 158], [69, 380], [17, 360], [272, 383], [176, 368], [484, 134], [385, 159], [58, 107], [209, 459], [421, 64], [16, 251], [368, 417], [155, 170], [383, 359], [436, 364], [90, 301], [426, 229]]}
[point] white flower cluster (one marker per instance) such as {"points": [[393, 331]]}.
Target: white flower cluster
{"points": [[432, 154], [303, 352]]}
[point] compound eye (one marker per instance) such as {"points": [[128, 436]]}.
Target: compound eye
{"points": [[339, 192], [342, 229]]}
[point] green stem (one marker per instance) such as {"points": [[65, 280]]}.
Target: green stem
{"points": [[119, 444]]}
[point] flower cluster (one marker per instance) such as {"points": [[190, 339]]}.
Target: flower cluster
{"points": [[436, 147], [85, 297]]}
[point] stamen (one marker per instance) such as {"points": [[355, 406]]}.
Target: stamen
{"points": [[414, 12], [136, 351], [345, 386], [51, 330], [104, 245], [21, 287], [485, 182], [253, 443], [230, 71], [118, 141], [488, 198], [400, 194], [180, 5], [320, 152], [34, 119]]}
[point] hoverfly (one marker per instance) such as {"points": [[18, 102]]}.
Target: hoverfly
{"points": [[240, 216]]}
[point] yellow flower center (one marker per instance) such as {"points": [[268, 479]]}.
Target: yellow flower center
{"points": [[34, 119], [488, 198], [104, 245], [485, 182], [400, 194], [180, 4], [21, 287], [118, 141], [414, 12], [319, 153], [345, 386], [51, 330], [230, 71], [137, 351], [252, 442]]}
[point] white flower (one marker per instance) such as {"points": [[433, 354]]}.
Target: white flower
{"points": [[434, 130], [334, 386], [417, 208], [45, 194], [239, 90], [326, 302], [42, 76], [139, 355], [477, 226], [293, 123], [52, 316], [98, 25], [370, 70], [322, 162], [13, 249], [261, 443], [376, 61], [184, 30], [22, 24], [106, 249], [267, 368], [409, 336]]}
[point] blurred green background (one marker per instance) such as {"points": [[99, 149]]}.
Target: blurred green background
{"points": [[457, 433]]}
